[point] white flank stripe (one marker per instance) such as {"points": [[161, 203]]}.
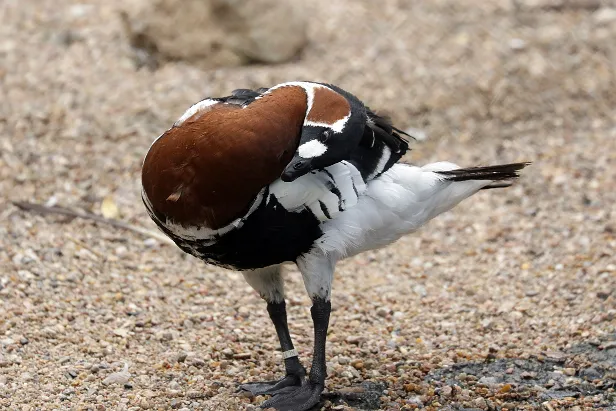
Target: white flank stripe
{"points": [[381, 164], [205, 233], [203, 104], [313, 148]]}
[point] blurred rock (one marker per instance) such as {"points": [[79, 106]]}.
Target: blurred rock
{"points": [[214, 33], [605, 15], [558, 5]]}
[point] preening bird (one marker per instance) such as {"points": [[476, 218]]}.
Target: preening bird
{"points": [[300, 172]]}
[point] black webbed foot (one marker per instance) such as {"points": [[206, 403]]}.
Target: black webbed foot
{"points": [[301, 398], [288, 383]]}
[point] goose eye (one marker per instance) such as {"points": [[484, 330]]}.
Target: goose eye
{"points": [[324, 136]]}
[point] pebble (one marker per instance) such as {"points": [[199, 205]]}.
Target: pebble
{"points": [[119, 378], [489, 381], [446, 391], [343, 360], [608, 345], [480, 403], [357, 364], [195, 394], [517, 44], [382, 311], [150, 243], [355, 339], [605, 15], [181, 356], [591, 373]]}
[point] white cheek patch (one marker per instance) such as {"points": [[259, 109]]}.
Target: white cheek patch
{"points": [[313, 148]]}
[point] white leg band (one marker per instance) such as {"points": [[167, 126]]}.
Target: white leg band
{"points": [[289, 354]]}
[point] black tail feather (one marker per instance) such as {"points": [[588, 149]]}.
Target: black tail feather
{"points": [[501, 184], [495, 173]]}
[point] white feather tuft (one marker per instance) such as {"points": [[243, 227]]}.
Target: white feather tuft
{"points": [[311, 149]]}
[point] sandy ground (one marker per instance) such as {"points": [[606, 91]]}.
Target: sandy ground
{"points": [[507, 302]]}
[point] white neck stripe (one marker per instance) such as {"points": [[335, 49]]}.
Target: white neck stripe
{"points": [[309, 89]]}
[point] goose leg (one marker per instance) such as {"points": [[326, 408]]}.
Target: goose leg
{"points": [[268, 282], [318, 274]]}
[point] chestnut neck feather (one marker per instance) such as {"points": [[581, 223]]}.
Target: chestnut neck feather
{"points": [[207, 170]]}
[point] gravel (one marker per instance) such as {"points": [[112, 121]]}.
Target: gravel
{"points": [[506, 302]]}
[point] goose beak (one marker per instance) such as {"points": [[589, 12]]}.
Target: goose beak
{"points": [[295, 169]]}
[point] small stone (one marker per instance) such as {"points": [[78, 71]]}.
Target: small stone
{"points": [[23, 341], [517, 44], [591, 373], [556, 355], [195, 394], [608, 345], [398, 315], [175, 403], [119, 378], [604, 294], [242, 356], [197, 362], [488, 381], [420, 290], [354, 339], [446, 391], [64, 360], [418, 134], [352, 390], [569, 371], [415, 400], [528, 375], [243, 312], [227, 352], [181, 356], [505, 388], [150, 243], [343, 360], [121, 332], [382, 311], [604, 15], [357, 364], [410, 387], [480, 403], [346, 374]]}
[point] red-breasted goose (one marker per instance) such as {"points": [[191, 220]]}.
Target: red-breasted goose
{"points": [[300, 172]]}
